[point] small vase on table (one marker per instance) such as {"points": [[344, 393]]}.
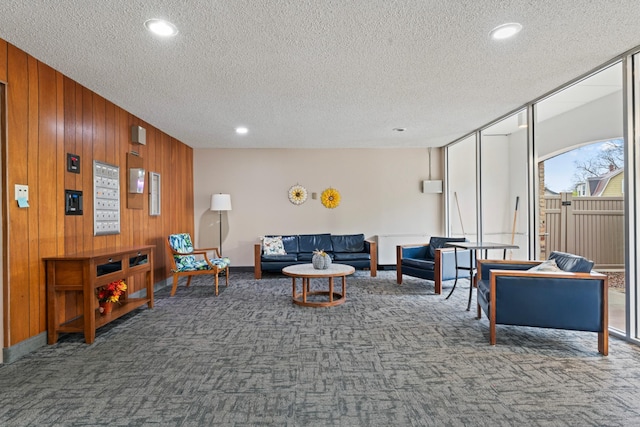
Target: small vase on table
{"points": [[321, 260], [105, 307]]}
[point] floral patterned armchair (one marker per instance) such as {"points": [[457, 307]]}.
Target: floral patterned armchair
{"points": [[188, 261]]}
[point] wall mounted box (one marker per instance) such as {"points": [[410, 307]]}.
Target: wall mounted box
{"points": [[106, 199], [136, 180], [138, 135], [434, 186], [73, 163], [72, 202]]}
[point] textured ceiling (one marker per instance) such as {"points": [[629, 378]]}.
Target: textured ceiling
{"points": [[314, 73]]}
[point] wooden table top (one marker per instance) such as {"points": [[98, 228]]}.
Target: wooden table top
{"points": [[480, 245], [307, 270]]}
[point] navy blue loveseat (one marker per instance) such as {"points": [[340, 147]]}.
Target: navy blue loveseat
{"points": [[572, 297], [350, 249]]}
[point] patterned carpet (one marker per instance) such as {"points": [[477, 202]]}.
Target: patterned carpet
{"points": [[390, 356]]}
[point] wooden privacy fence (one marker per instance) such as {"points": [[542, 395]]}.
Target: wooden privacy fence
{"points": [[592, 227]]}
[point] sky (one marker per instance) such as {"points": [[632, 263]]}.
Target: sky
{"points": [[559, 170]]}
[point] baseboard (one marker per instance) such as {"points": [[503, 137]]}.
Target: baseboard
{"points": [[241, 269], [15, 352]]}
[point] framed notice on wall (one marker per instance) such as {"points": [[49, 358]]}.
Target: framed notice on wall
{"points": [[154, 193]]}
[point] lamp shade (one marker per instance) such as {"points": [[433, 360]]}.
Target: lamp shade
{"points": [[221, 202]]}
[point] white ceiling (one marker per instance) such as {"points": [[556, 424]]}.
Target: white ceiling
{"points": [[320, 73]]}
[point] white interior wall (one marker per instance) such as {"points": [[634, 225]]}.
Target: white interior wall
{"points": [[381, 193]]}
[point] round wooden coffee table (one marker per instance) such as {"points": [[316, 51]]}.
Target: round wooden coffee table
{"points": [[307, 272]]}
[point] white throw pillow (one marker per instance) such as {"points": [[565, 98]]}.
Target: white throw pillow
{"points": [[548, 266], [273, 246]]}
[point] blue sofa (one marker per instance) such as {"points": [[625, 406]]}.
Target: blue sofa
{"points": [[350, 249], [567, 296], [432, 261]]}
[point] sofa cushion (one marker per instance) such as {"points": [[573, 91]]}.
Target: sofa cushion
{"points": [[418, 263], [182, 243], [440, 242], [571, 263], [348, 243], [290, 244], [350, 256], [313, 242], [417, 252], [308, 256], [272, 246], [548, 266], [280, 258]]}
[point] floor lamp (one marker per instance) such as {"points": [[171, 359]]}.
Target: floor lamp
{"points": [[220, 202]]}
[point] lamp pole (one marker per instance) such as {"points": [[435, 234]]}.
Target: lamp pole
{"points": [[220, 202], [220, 221]]}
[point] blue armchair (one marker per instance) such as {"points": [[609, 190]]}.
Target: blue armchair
{"points": [[562, 294], [432, 261]]}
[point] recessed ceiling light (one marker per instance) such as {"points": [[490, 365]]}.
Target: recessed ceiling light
{"points": [[161, 27], [505, 31], [242, 130]]}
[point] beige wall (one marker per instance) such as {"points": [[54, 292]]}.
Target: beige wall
{"points": [[381, 193]]}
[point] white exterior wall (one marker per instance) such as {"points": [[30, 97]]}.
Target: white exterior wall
{"points": [[596, 121]]}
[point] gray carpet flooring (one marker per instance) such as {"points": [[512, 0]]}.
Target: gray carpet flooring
{"points": [[390, 356]]}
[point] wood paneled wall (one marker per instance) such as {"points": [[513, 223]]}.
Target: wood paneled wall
{"points": [[50, 115]]}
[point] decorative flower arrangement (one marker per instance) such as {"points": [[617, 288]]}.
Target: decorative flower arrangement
{"points": [[330, 198], [111, 292], [297, 194]]}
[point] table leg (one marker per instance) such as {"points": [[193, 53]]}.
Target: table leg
{"points": [[455, 255], [471, 274], [344, 287], [305, 285], [330, 289]]}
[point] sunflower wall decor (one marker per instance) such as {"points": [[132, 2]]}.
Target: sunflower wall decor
{"points": [[297, 194], [330, 198]]}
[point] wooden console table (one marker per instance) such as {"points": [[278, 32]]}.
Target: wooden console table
{"points": [[83, 273]]}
